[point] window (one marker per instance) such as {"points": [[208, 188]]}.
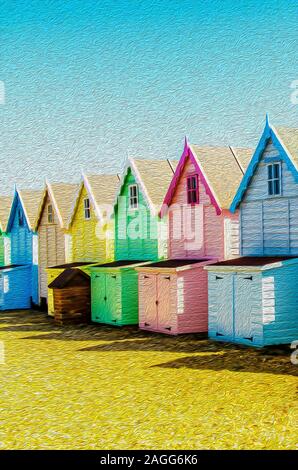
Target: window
{"points": [[274, 179], [50, 214], [193, 189], [133, 196], [87, 211], [21, 218]]}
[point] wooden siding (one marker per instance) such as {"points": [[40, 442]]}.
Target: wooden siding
{"points": [[72, 305], [209, 237], [85, 244], [51, 245], [269, 225], [283, 328], [15, 288], [126, 220], [254, 308]]}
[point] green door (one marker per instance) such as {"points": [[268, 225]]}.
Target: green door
{"points": [[113, 296], [99, 298]]}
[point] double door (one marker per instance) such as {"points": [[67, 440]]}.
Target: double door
{"points": [[106, 297], [234, 298], [156, 301]]}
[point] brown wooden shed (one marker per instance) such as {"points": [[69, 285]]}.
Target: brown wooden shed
{"points": [[72, 297]]}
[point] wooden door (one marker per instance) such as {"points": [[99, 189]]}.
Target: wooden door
{"points": [[164, 302], [244, 294], [98, 298], [113, 296], [148, 300], [221, 303]]}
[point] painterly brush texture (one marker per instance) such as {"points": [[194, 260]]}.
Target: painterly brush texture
{"points": [[88, 82], [103, 388]]}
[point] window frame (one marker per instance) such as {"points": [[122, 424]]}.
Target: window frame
{"points": [[87, 209], [135, 206], [273, 179], [20, 218], [191, 191], [50, 214]]}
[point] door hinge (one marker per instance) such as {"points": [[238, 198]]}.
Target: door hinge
{"points": [[219, 334], [250, 338], [146, 324], [168, 328], [218, 277], [249, 278]]}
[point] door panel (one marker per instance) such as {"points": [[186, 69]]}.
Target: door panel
{"points": [[113, 293], [164, 301], [244, 293], [1, 291], [98, 296], [222, 303], [148, 300]]}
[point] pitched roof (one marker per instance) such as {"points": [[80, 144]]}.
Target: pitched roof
{"points": [[153, 177], [67, 276], [61, 196], [285, 140], [289, 138], [30, 200], [5, 207], [222, 171], [101, 190], [220, 168]]}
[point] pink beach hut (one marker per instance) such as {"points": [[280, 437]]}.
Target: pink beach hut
{"points": [[173, 294]]}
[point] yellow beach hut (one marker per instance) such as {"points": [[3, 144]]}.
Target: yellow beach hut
{"points": [[90, 238]]}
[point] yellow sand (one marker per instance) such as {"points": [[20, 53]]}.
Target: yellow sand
{"points": [[105, 388]]}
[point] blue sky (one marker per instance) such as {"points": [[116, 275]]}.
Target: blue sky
{"points": [[89, 82]]}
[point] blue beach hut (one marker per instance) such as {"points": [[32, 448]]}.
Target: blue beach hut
{"points": [[19, 277], [253, 300]]}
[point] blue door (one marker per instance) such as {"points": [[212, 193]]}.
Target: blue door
{"points": [[1, 292], [221, 304], [246, 298]]}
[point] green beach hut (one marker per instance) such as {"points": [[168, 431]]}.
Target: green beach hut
{"points": [[140, 236]]}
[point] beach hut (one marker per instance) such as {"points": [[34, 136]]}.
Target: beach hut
{"points": [[253, 300], [72, 299], [5, 206], [173, 294], [51, 226], [19, 278], [139, 237], [90, 231]]}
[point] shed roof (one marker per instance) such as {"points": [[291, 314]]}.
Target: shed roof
{"points": [[5, 207], [66, 277], [101, 190], [62, 196], [153, 177]]}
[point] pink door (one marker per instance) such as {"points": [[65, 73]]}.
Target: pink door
{"points": [[148, 298], [164, 282]]}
